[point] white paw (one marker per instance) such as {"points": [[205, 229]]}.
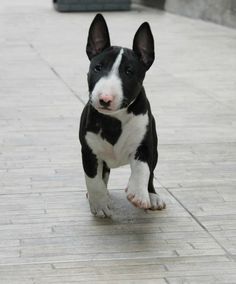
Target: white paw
{"points": [[156, 202], [100, 205], [138, 197]]}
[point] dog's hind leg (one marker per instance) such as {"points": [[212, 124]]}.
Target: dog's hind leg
{"points": [[156, 202], [105, 173]]}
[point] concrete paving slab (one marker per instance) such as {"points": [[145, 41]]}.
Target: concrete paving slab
{"points": [[47, 234]]}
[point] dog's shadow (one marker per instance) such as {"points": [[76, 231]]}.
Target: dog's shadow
{"points": [[136, 227]]}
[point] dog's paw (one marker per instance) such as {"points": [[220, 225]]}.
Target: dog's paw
{"points": [[101, 206], [156, 202], [138, 198]]}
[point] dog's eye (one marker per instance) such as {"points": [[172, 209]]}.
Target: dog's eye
{"points": [[129, 71], [97, 68]]}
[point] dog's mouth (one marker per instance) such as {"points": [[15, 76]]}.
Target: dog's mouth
{"points": [[109, 109], [104, 109]]}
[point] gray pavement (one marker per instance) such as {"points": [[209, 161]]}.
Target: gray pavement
{"points": [[47, 234]]}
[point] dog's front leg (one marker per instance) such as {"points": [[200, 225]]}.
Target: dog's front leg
{"points": [[137, 190], [98, 196]]}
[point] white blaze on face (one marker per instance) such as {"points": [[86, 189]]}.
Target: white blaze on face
{"points": [[111, 86]]}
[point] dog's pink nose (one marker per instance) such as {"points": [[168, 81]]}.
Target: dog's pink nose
{"points": [[105, 100]]}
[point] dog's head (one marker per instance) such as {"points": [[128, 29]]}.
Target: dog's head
{"points": [[116, 74]]}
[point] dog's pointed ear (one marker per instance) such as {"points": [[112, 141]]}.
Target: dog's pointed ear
{"points": [[143, 45], [98, 37]]}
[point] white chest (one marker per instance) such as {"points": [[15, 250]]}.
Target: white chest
{"points": [[133, 131]]}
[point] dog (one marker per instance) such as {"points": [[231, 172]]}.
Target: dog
{"points": [[117, 126]]}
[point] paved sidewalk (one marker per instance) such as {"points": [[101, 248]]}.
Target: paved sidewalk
{"points": [[47, 234]]}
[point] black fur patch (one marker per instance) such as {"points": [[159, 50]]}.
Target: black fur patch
{"points": [[90, 162], [105, 170], [105, 60], [140, 105], [109, 127], [93, 121]]}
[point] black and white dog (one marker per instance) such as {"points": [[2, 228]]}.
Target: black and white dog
{"points": [[117, 126]]}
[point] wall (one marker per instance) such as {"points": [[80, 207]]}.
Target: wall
{"points": [[219, 11]]}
